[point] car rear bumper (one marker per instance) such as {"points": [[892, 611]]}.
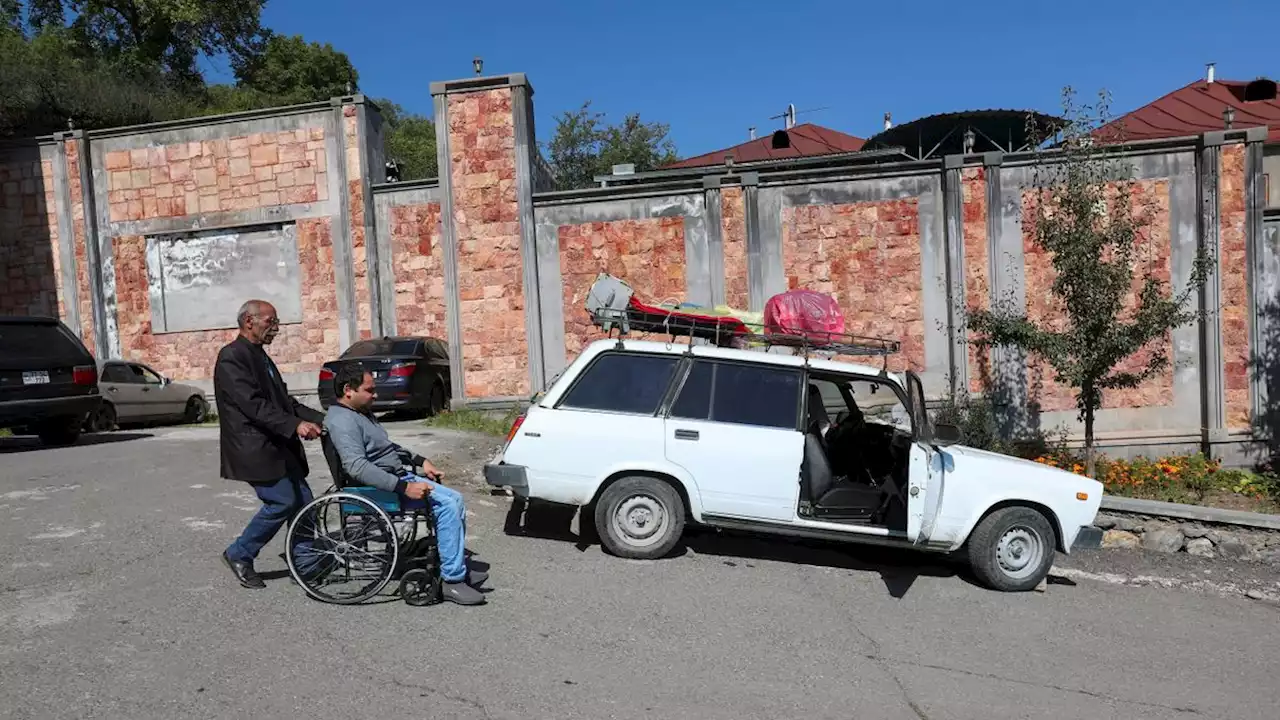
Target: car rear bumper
{"points": [[501, 474], [15, 412], [1089, 538]]}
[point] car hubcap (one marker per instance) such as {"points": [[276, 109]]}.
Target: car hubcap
{"points": [[1019, 551], [640, 520]]}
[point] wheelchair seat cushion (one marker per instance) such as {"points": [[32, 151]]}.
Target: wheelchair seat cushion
{"points": [[385, 499]]}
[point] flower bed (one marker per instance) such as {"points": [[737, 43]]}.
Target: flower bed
{"points": [[1189, 479]]}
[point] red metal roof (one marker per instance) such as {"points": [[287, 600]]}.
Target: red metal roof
{"points": [[1195, 109], [807, 140]]}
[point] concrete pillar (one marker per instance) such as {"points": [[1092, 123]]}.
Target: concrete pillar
{"points": [[485, 144], [953, 222], [358, 129], [84, 246], [1212, 395], [1261, 289]]}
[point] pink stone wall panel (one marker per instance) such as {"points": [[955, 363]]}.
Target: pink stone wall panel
{"points": [[977, 287], [29, 262], [482, 165], [1234, 287], [647, 254], [867, 256], [418, 260], [237, 173], [1154, 248], [300, 347], [733, 230]]}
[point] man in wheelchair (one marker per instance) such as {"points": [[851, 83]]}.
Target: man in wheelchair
{"points": [[370, 458]]}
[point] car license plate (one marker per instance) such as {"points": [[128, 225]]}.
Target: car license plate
{"points": [[35, 377]]}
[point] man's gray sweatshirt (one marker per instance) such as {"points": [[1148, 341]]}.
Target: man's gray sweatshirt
{"points": [[367, 453]]}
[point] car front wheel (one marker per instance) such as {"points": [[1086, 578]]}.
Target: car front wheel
{"points": [[1012, 549], [640, 517], [197, 410]]}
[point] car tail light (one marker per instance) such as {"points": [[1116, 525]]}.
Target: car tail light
{"points": [[84, 375], [403, 370], [515, 426], [326, 374]]}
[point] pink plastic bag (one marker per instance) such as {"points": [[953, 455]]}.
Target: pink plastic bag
{"points": [[807, 313]]}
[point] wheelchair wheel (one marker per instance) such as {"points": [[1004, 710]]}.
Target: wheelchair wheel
{"points": [[420, 587], [342, 548]]}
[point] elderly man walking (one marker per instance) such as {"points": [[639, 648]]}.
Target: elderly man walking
{"points": [[261, 428]]}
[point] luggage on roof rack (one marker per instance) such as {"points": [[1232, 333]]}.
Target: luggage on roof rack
{"points": [[612, 304]]}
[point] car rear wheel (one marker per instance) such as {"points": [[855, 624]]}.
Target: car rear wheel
{"points": [[1012, 549], [103, 419], [436, 404], [639, 517], [60, 431], [197, 410]]}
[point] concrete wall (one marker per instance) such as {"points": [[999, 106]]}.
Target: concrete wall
{"points": [[145, 239], [907, 249]]}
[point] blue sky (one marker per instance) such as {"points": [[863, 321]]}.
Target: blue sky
{"points": [[712, 69]]}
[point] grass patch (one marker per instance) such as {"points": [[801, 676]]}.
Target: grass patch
{"points": [[478, 421], [5, 432]]}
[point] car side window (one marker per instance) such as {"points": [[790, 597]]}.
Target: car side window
{"points": [[116, 374], [740, 394], [622, 382], [146, 376]]}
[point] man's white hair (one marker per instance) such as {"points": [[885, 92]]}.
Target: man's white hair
{"points": [[249, 309]]}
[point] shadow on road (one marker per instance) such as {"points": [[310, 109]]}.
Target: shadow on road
{"points": [[30, 443], [898, 569]]}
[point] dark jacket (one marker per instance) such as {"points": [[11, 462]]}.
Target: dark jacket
{"points": [[257, 419]]}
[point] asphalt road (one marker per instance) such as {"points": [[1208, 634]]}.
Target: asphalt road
{"points": [[114, 604]]}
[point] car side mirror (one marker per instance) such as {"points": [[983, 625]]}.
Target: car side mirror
{"points": [[164, 381], [947, 434]]}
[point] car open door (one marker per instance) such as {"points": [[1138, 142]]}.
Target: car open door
{"points": [[924, 477]]}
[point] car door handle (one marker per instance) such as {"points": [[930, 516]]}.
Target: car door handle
{"points": [[112, 389], [686, 434]]}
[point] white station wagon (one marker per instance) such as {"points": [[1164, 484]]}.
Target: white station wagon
{"points": [[650, 435]]}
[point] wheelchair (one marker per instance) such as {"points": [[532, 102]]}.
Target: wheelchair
{"points": [[359, 539]]}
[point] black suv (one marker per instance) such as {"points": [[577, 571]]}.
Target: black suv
{"points": [[48, 379]]}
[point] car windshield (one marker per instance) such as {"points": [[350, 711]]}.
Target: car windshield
{"points": [[376, 348]]}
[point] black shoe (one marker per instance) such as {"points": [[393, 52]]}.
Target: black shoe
{"points": [[244, 572], [462, 593]]}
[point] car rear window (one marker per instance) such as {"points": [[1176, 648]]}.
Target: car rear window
{"points": [[26, 341], [742, 394], [625, 383], [374, 348]]}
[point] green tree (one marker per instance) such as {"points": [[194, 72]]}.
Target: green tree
{"points": [[142, 35], [1087, 216], [584, 145], [45, 82], [410, 140], [290, 70]]}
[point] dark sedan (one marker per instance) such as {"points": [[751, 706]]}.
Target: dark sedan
{"points": [[410, 374]]}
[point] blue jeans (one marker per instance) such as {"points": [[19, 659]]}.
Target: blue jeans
{"points": [[281, 500], [451, 526]]}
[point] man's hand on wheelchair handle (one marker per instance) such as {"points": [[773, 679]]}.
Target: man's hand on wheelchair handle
{"points": [[308, 430], [430, 471]]}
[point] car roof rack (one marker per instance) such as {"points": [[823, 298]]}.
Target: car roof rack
{"points": [[732, 332]]}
